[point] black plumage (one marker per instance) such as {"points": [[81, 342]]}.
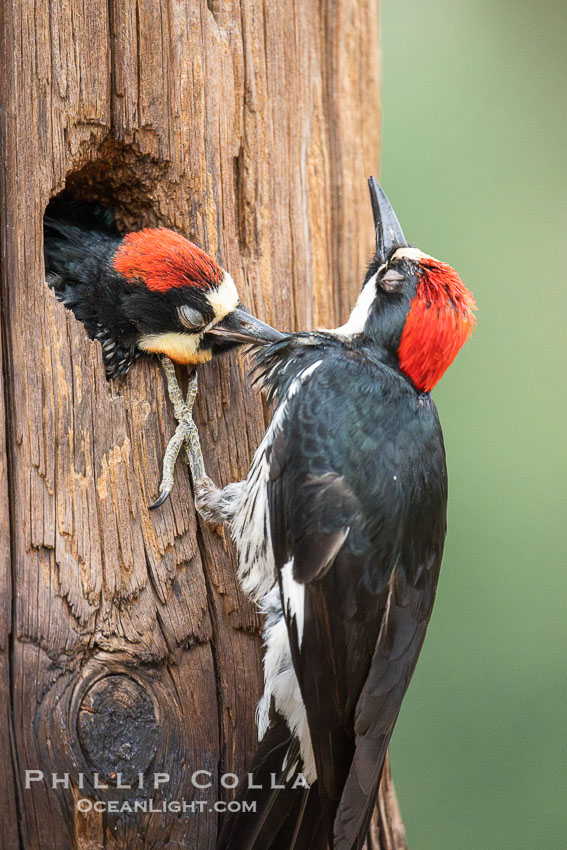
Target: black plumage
{"points": [[357, 483], [78, 267], [283, 816], [355, 497]]}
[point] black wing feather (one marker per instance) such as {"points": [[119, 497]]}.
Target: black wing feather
{"points": [[367, 550], [397, 651], [284, 818]]}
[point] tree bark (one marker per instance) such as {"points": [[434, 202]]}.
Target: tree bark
{"points": [[126, 645]]}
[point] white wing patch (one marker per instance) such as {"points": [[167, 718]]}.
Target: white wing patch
{"points": [[281, 685], [294, 599]]}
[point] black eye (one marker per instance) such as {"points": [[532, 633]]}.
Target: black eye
{"points": [[190, 318], [392, 281]]}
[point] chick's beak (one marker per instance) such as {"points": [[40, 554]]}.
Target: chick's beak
{"points": [[241, 326]]}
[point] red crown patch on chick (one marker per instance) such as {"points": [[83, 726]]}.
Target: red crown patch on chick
{"points": [[163, 259]]}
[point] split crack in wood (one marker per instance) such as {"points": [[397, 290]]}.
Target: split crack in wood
{"points": [[186, 433]]}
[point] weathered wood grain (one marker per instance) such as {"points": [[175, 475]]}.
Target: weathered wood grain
{"points": [[251, 127], [8, 776]]}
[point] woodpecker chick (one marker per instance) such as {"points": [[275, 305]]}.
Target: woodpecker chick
{"points": [[148, 292], [340, 527]]}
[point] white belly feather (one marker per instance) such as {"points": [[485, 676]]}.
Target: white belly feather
{"points": [[257, 575]]}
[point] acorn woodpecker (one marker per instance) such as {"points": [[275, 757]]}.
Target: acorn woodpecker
{"points": [[340, 527], [151, 291]]}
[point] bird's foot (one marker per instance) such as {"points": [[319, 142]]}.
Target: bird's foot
{"points": [[206, 500], [185, 434]]}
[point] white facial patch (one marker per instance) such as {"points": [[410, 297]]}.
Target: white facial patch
{"points": [[359, 316], [224, 298], [411, 254]]}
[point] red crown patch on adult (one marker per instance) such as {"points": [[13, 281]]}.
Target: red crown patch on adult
{"points": [[163, 259], [438, 324]]}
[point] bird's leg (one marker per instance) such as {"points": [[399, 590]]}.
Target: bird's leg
{"points": [[185, 434], [217, 505], [192, 443]]}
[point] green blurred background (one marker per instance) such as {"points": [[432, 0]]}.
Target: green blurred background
{"points": [[474, 161]]}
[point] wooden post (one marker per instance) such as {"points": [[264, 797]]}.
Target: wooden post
{"points": [[125, 643]]}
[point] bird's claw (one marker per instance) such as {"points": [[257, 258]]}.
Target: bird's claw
{"points": [[160, 499], [185, 434]]}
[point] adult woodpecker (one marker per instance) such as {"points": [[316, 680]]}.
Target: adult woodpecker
{"points": [[148, 292], [340, 527]]}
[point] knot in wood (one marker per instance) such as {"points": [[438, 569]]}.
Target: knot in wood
{"points": [[117, 728]]}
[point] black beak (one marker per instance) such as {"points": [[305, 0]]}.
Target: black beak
{"points": [[389, 234], [242, 327]]}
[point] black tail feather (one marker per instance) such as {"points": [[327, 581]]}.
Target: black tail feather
{"points": [[285, 818]]}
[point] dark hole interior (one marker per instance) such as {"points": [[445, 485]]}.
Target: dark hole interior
{"points": [[118, 180]]}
